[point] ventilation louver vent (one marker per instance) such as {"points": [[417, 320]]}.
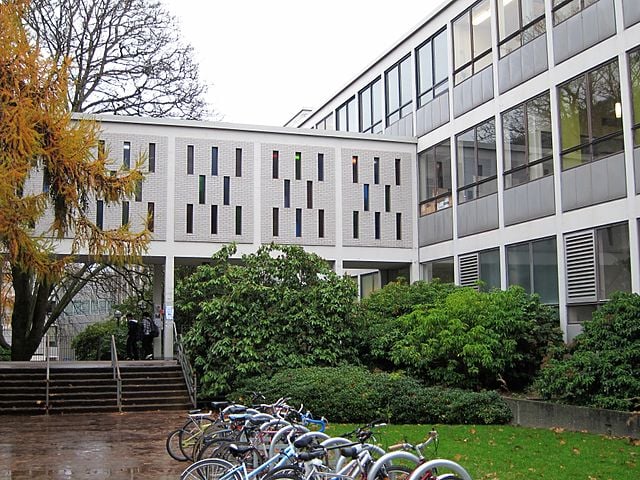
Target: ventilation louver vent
{"points": [[469, 271], [580, 254]]}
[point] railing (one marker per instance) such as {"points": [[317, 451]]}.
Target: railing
{"points": [[116, 372], [187, 371], [48, 380]]}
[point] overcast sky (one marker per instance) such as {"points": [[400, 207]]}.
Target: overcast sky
{"points": [[266, 60]]}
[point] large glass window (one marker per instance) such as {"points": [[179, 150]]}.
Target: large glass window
{"points": [[326, 123], [534, 266], [527, 146], [398, 92], [591, 116], [439, 269], [347, 117], [472, 41], [519, 22], [614, 261], [634, 67], [489, 269], [370, 100], [431, 58], [434, 166], [563, 9], [477, 163]]}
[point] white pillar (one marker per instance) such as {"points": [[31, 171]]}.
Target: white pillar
{"points": [[157, 313], [168, 307]]}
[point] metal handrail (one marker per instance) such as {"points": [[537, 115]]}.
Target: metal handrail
{"points": [[116, 372], [188, 373], [48, 379]]}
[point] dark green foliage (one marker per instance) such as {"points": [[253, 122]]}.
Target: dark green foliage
{"points": [[283, 307], [602, 367], [477, 340], [5, 354], [94, 342], [378, 316], [355, 395]]}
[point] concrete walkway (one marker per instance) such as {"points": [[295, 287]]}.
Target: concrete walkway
{"points": [[89, 446]]}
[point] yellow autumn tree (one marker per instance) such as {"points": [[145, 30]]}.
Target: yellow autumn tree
{"points": [[37, 134]]}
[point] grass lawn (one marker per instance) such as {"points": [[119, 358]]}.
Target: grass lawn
{"points": [[506, 452]]}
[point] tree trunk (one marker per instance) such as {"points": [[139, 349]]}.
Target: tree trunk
{"points": [[28, 321]]}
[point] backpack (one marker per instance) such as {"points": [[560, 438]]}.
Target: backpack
{"points": [[154, 331]]}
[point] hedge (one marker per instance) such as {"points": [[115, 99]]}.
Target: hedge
{"points": [[355, 395]]}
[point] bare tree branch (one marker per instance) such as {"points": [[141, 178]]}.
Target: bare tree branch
{"points": [[127, 57]]}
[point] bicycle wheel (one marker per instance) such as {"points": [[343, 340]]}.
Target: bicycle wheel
{"points": [[173, 446], [286, 472], [393, 472], [210, 469]]}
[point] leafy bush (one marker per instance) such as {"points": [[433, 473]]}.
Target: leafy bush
{"points": [[94, 342], [602, 367], [378, 316], [477, 340], [5, 354], [355, 395], [282, 307]]}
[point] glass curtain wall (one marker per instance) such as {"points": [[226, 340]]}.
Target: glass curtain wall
{"points": [[398, 91], [434, 165], [634, 68], [527, 147], [472, 41], [431, 64], [564, 9], [477, 162], [519, 22], [591, 116]]}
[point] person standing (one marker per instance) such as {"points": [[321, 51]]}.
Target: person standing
{"points": [[147, 338], [133, 336]]}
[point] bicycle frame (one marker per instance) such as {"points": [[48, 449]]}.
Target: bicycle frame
{"points": [[281, 459]]}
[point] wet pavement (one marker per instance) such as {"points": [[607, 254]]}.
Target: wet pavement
{"points": [[89, 446]]}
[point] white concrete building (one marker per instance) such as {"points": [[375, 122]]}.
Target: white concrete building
{"points": [[509, 155]]}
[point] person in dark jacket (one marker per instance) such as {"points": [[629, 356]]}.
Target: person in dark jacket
{"points": [[133, 336], [147, 338]]}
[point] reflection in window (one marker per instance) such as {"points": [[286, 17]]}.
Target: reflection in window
{"points": [[370, 100], [472, 41], [126, 154], [591, 116], [563, 9], [326, 123], [365, 196], [526, 131], [634, 67], [534, 266], [519, 22], [151, 215], [614, 262], [439, 269], [434, 170], [152, 157], [489, 269], [275, 164], [431, 58], [477, 163], [347, 117], [398, 91], [202, 188]]}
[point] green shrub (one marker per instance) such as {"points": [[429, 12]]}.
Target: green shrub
{"points": [[94, 342], [602, 367], [477, 340], [5, 354], [378, 315], [281, 308], [356, 395]]}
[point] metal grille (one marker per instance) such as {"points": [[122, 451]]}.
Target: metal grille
{"points": [[580, 255], [469, 270]]}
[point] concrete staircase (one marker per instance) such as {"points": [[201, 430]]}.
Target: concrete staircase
{"points": [[77, 387]]}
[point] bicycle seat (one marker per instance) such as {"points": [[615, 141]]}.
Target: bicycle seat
{"points": [[303, 442], [219, 405], [306, 456], [350, 452], [238, 450], [193, 412], [236, 409]]}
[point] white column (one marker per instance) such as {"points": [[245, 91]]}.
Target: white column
{"points": [[157, 313], [168, 307]]}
